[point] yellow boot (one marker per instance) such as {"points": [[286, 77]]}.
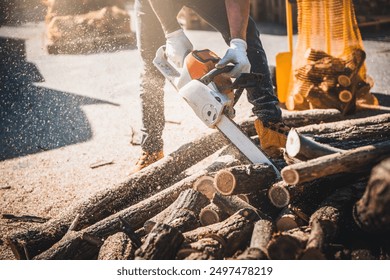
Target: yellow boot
{"points": [[272, 136], [146, 159]]}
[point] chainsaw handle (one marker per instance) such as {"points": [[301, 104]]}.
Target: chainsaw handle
{"points": [[208, 78]]}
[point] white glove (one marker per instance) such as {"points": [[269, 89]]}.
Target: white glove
{"points": [[177, 47], [236, 54]]}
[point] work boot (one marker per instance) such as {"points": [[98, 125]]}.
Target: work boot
{"points": [[272, 136], [147, 159]]}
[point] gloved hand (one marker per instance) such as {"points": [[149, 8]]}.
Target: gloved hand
{"points": [[177, 47], [236, 54]]}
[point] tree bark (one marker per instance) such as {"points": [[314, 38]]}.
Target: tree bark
{"points": [[162, 243], [304, 148], [244, 179], [372, 211], [232, 233], [261, 235], [117, 247], [211, 214], [207, 248], [352, 161], [288, 245]]}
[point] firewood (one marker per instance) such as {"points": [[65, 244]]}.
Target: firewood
{"points": [[186, 209], [372, 211], [314, 55], [137, 187], [345, 96], [304, 148], [244, 179], [117, 247], [136, 215], [232, 233], [261, 235], [349, 134], [208, 248], [211, 214], [355, 160], [325, 223], [162, 243], [279, 195], [205, 185], [288, 219], [344, 80], [288, 245]]}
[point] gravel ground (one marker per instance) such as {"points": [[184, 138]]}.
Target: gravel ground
{"points": [[65, 113]]}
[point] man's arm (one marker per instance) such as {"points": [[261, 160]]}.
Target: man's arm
{"points": [[238, 15]]}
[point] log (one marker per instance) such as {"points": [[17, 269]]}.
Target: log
{"points": [[304, 148], [117, 247], [209, 248], [261, 202], [232, 233], [325, 223], [261, 235], [205, 185], [186, 209], [244, 179], [289, 219], [162, 243], [352, 161], [288, 245], [350, 133], [137, 187], [372, 212], [211, 214]]}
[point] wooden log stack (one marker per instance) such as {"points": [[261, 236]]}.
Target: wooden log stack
{"points": [[337, 190]]}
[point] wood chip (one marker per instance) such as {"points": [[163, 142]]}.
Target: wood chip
{"points": [[101, 163]]}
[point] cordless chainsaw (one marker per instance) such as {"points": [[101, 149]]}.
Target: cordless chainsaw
{"points": [[212, 95]]}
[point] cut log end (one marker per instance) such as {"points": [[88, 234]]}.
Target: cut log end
{"points": [[208, 216], [205, 185], [290, 176], [279, 196], [286, 222], [225, 182], [293, 144], [284, 248], [345, 96], [344, 80]]}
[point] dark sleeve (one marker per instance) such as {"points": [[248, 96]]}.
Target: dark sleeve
{"points": [[166, 11]]}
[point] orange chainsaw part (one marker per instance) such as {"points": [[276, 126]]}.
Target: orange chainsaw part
{"points": [[200, 62]]}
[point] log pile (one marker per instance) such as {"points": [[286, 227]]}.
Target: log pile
{"points": [[78, 27], [335, 195], [326, 81]]}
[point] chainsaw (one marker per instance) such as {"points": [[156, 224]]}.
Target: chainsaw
{"points": [[212, 95]]}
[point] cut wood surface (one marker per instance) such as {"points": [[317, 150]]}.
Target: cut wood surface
{"points": [[205, 185], [355, 160], [288, 219], [372, 211], [211, 214], [261, 235], [244, 179], [304, 148]]}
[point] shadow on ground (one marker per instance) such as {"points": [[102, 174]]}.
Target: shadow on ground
{"points": [[33, 118]]}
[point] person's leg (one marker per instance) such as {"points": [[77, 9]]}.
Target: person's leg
{"points": [[150, 37]]}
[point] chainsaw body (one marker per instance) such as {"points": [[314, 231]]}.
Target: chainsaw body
{"points": [[210, 93]]}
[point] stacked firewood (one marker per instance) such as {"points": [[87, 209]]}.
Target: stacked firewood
{"points": [[75, 26], [333, 202], [329, 82]]}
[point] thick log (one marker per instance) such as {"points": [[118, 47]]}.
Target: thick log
{"points": [[186, 209], [244, 179], [261, 235], [117, 247], [288, 245], [208, 248], [372, 212], [211, 214], [137, 187], [304, 148], [289, 219], [205, 185], [352, 161], [349, 134], [325, 223], [162, 243], [232, 233]]}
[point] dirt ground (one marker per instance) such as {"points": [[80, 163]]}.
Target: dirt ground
{"points": [[86, 112]]}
